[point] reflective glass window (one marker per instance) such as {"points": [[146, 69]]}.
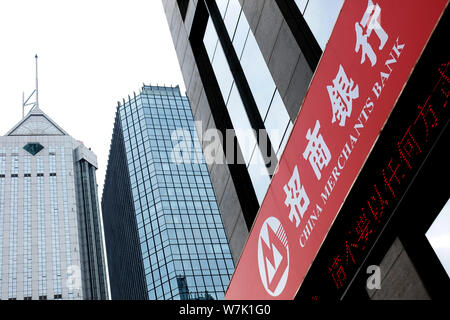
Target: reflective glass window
{"points": [[277, 121], [232, 16], [321, 15], [221, 67], [258, 76], [259, 175]]}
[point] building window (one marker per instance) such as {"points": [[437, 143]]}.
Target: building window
{"points": [[54, 218], [70, 286], [13, 227], [27, 232], [269, 104], [41, 222], [320, 15]]}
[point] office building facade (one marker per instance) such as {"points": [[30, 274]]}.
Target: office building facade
{"points": [[50, 225], [247, 65], [163, 230]]}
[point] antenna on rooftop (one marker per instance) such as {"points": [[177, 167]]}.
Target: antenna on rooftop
{"points": [[35, 92]]}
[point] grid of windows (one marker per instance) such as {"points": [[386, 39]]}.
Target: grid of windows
{"points": [[2, 205], [13, 237], [27, 233], [179, 224], [127, 280], [31, 201], [70, 287], [42, 260], [42, 237], [54, 214]]}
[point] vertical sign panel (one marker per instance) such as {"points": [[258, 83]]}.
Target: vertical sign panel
{"points": [[372, 51]]}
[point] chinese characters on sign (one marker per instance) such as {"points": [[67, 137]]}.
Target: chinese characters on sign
{"points": [[342, 93], [296, 198], [317, 151], [370, 21], [393, 176]]}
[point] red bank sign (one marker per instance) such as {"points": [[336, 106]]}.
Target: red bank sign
{"points": [[374, 46]]}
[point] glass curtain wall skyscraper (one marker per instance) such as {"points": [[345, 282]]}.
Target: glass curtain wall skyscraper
{"points": [[163, 230], [50, 228]]}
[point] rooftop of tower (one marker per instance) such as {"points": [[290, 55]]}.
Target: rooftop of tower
{"points": [[161, 90]]}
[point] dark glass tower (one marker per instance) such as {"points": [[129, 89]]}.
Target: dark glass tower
{"points": [[163, 230]]}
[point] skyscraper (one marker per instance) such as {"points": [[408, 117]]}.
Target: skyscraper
{"points": [[50, 226], [248, 65], [163, 231]]}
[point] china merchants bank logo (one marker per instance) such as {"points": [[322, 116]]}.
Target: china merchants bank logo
{"points": [[273, 256]]}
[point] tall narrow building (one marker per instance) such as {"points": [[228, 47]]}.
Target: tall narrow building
{"points": [[50, 228], [163, 230]]}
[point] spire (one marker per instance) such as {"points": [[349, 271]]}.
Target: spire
{"points": [[34, 105], [37, 83]]}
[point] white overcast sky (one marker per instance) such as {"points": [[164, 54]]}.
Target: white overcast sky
{"points": [[91, 55]]}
